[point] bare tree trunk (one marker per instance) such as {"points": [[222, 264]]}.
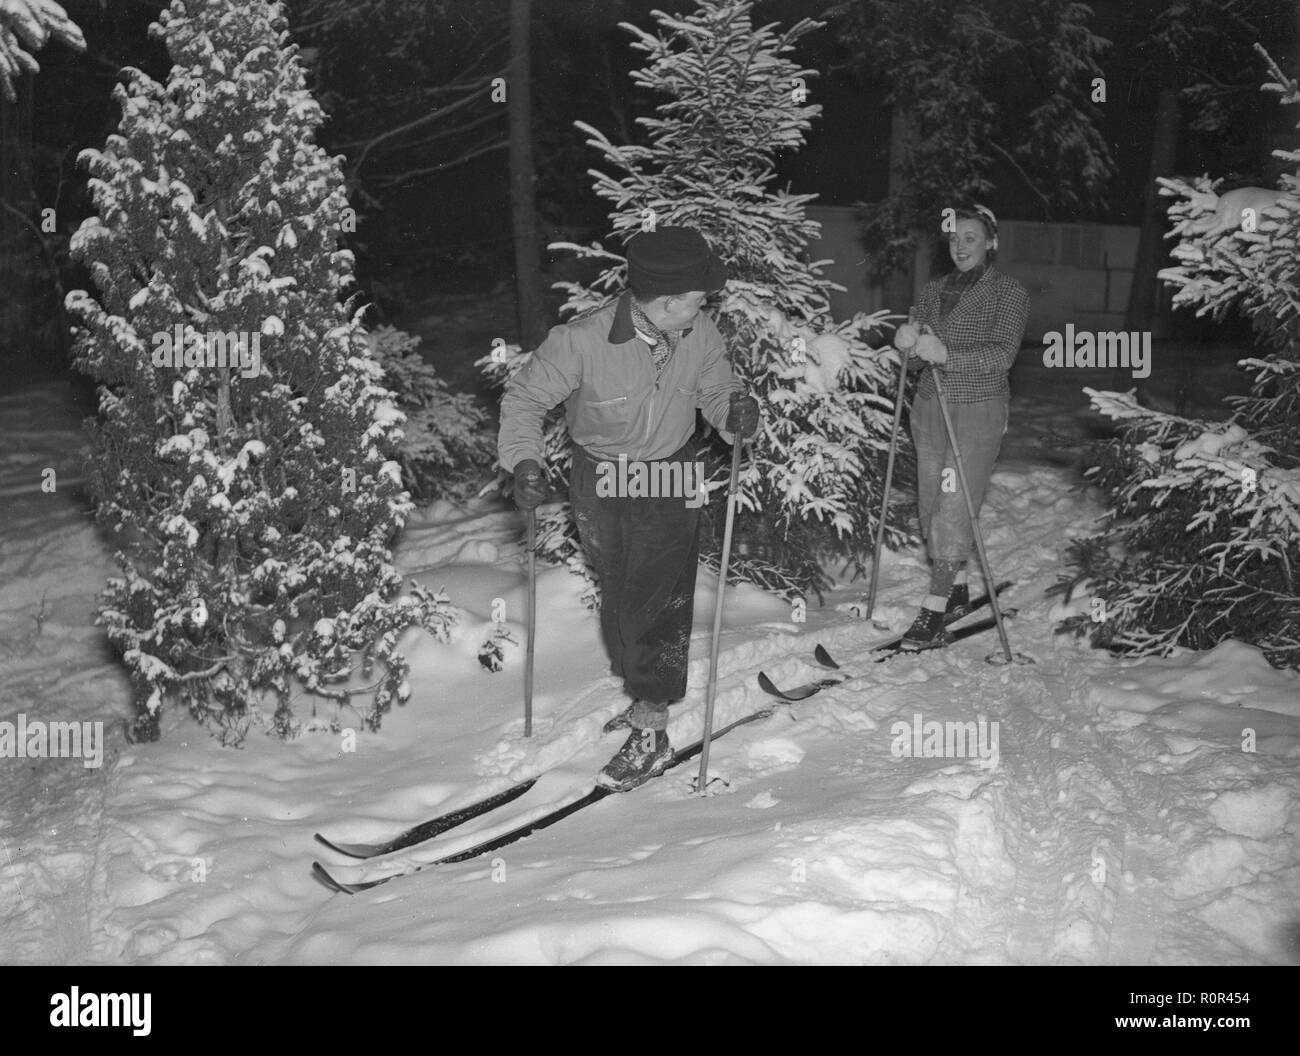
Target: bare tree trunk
{"points": [[1145, 292], [901, 133], [523, 205], [17, 322]]}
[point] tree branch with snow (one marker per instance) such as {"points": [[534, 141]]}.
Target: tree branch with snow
{"points": [[26, 26]]}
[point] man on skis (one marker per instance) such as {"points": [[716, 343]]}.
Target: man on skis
{"points": [[631, 376]]}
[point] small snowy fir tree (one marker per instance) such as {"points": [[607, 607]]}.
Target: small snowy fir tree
{"points": [[446, 448], [1204, 539], [29, 24], [242, 449], [733, 99], [492, 653]]}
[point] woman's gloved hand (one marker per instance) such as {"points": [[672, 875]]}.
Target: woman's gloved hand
{"points": [[931, 349], [906, 336]]}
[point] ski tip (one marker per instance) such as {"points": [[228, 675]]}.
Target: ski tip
{"points": [[794, 696], [347, 849], [824, 658], [322, 874], [788, 696]]}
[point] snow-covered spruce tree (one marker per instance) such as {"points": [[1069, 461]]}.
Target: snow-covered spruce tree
{"points": [[253, 507], [1203, 540], [732, 100]]}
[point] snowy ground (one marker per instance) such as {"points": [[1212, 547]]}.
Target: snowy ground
{"points": [[1122, 823]]}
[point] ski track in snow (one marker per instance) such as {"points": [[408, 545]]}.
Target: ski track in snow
{"points": [[1122, 824]]}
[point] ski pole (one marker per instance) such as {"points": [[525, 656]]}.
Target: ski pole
{"points": [[530, 519], [889, 472], [711, 692], [974, 521]]}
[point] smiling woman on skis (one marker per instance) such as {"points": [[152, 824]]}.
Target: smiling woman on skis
{"points": [[968, 328]]}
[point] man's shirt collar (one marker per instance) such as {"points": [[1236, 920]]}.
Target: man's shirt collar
{"points": [[623, 329]]}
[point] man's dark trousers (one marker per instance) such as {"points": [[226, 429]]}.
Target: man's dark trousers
{"points": [[645, 552]]}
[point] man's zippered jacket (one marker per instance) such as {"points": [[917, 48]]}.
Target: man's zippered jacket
{"points": [[605, 376]]}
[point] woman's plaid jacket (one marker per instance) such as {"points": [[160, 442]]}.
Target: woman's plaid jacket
{"points": [[982, 334]]}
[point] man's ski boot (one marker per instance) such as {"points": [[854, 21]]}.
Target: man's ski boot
{"points": [[623, 720], [926, 632], [645, 754]]}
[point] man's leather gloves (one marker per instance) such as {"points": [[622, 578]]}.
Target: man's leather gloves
{"points": [[531, 489], [742, 416]]}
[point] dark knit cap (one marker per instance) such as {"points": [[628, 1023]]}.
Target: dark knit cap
{"points": [[672, 260]]}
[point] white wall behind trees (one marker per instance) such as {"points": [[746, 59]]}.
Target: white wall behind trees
{"points": [[1075, 273]]}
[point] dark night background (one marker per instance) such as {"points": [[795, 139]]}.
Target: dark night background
{"points": [[439, 234]]}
